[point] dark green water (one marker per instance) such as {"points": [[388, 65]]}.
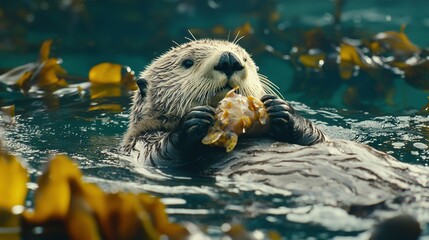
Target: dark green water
{"points": [[132, 33]]}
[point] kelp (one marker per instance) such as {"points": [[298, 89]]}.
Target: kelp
{"points": [[236, 115], [45, 72], [65, 206], [106, 80], [110, 80], [13, 190], [112, 74], [368, 67]]}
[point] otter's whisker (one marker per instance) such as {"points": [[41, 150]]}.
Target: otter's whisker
{"points": [[175, 43], [229, 33], [269, 83], [189, 39], [265, 79], [238, 33], [271, 90], [239, 39], [192, 35]]}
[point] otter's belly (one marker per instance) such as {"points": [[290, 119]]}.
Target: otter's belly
{"points": [[335, 172]]}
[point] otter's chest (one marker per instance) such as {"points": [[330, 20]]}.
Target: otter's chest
{"points": [[339, 171]]}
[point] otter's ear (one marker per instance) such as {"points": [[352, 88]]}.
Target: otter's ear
{"points": [[141, 82]]}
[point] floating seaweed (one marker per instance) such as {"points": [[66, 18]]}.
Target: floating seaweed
{"points": [[236, 115], [110, 80], [368, 68], [106, 80], [46, 72], [65, 206], [113, 73]]}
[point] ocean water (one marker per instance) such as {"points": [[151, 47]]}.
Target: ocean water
{"points": [[133, 32]]}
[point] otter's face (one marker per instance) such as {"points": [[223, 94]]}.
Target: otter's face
{"points": [[198, 73]]}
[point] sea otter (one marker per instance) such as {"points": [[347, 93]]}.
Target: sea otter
{"points": [[173, 110], [174, 107]]}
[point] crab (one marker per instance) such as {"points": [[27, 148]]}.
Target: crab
{"points": [[236, 115]]}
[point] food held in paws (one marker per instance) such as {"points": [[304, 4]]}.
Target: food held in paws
{"points": [[236, 115]]}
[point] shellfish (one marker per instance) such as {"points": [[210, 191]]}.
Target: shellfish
{"points": [[236, 115]]}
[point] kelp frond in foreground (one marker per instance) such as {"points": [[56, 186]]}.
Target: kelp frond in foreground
{"points": [[67, 207], [46, 72]]}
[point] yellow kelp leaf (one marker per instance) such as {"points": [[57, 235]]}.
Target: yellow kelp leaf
{"points": [[64, 201], [24, 81], [81, 223], [13, 180], [45, 50], [160, 218], [127, 219], [112, 73], [113, 107], [272, 235], [238, 231], [104, 90], [106, 73], [349, 53], [44, 73], [87, 209], [350, 57], [52, 198], [396, 42], [49, 74], [312, 61], [93, 195]]}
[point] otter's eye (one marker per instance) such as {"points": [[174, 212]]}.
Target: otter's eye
{"points": [[188, 63], [245, 59]]}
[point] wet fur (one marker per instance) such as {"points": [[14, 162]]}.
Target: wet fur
{"points": [[171, 90]]}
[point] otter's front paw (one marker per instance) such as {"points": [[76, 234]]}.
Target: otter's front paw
{"points": [[196, 124], [282, 116]]}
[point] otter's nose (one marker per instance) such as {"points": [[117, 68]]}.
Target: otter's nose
{"points": [[228, 63]]}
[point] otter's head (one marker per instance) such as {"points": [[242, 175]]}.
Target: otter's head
{"points": [[195, 73]]}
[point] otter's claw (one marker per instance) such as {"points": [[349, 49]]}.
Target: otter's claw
{"points": [[196, 124], [281, 114], [289, 126]]}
